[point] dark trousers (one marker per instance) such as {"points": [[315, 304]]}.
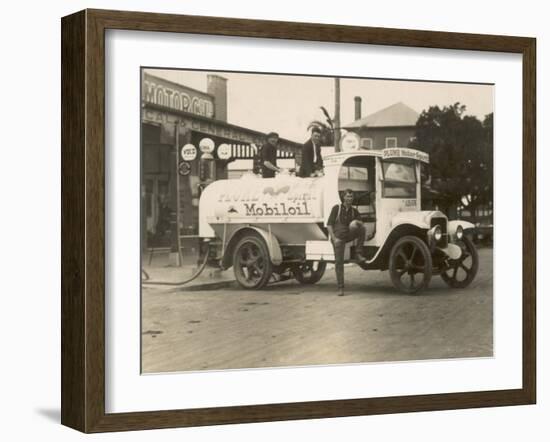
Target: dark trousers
{"points": [[356, 231]]}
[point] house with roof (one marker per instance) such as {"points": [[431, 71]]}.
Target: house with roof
{"points": [[393, 126]]}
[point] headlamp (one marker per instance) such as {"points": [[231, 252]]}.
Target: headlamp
{"points": [[437, 233]]}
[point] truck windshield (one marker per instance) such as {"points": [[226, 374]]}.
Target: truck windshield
{"points": [[399, 179]]}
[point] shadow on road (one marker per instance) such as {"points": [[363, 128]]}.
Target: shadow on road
{"points": [[374, 291]]}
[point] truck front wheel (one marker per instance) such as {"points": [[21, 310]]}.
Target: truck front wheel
{"points": [[461, 272], [251, 263], [410, 264]]}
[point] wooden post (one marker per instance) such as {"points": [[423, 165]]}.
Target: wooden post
{"points": [[337, 114], [175, 249]]}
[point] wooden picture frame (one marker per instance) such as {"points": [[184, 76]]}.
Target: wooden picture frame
{"points": [[83, 220]]}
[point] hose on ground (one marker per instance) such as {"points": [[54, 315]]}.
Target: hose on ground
{"points": [[194, 276]]}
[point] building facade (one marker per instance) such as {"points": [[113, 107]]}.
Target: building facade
{"points": [[393, 126], [187, 143]]}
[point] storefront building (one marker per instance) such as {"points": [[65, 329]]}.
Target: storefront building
{"points": [[187, 143]]}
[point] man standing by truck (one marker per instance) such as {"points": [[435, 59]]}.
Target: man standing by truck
{"points": [[345, 225]]}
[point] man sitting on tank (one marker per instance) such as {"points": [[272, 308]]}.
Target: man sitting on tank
{"points": [[312, 160], [344, 225]]}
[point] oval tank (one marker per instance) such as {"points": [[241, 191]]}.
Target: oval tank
{"points": [[288, 206]]}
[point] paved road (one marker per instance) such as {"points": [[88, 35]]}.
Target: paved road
{"points": [[288, 324]]}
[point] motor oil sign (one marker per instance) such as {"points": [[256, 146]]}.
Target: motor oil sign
{"points": [[273, 199]]}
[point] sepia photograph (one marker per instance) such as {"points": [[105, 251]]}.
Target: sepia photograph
{"points": [[305, 220]]}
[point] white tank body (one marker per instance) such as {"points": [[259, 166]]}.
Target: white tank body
{"points": [[285, 203]]}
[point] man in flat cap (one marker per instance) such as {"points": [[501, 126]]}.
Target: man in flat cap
{"points": [[312, 162], [268, 155]]}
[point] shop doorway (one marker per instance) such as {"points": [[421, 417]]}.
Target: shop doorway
{"points": [[157, 210]]}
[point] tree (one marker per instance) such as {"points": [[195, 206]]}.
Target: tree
{"points": [[461, 155], [327, 129]]}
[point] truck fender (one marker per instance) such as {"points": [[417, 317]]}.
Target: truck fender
{"points": [[273, 246], [382, 256], [453, 225], [418, 219]]}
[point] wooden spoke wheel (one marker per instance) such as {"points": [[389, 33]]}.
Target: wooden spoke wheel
{"points": [[251, 262], [462, 271], [410, 264], [310, 272]]}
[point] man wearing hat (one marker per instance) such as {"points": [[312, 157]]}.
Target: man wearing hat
{"points": [[268, 156], [312, 162]]}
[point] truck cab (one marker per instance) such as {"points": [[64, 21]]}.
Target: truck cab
{"points": [[382, 187]]}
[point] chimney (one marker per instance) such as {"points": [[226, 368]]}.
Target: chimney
{"points": [[357, 108], [217, 86]]}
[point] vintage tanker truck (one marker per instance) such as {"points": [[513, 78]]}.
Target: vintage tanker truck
{"points": [[273, 229]]}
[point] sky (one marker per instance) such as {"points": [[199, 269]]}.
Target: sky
{"points": [[288, 103]]}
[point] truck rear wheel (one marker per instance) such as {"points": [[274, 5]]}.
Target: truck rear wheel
{"points": [[309, 273], [251, 263], [410, 264]]}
